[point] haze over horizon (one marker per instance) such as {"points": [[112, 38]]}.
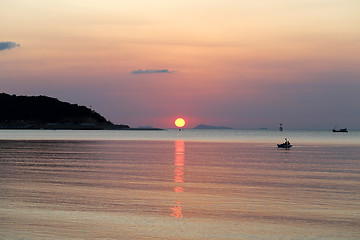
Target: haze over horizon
{"points": [[241, 64]]}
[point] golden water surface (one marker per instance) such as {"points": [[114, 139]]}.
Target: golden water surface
{"points": [[177, 190]]}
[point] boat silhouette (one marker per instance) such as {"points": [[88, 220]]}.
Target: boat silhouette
{"points": [[286, 144], [340, 130]]}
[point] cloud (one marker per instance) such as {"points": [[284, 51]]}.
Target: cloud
{"points": [[8, 45], [147, 71]]}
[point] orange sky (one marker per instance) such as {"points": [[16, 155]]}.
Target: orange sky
{"points": [[244, 64]]}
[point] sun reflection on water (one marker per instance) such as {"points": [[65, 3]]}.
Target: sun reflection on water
{"points": [[179, 163]]}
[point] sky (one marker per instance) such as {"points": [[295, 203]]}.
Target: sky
{"points": [[236, 63]]}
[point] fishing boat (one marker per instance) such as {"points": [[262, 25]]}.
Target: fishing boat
{"points": [[340, 130], [286, 144]]}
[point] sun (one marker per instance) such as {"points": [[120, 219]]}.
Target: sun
{"points": [[179, 122]]}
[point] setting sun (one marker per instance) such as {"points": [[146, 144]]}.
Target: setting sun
{"points": [[179, 122]]}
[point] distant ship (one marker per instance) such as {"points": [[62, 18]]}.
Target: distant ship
{"points": [[281, 127], [340, 130]]}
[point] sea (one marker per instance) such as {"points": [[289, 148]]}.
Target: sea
{"points": [[189, 184]]}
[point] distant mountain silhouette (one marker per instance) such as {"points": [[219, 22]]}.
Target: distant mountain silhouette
{"points": [[35, 112], [203, 126]]}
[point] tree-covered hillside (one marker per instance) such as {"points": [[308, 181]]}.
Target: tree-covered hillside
{"points": [[47, 112]]}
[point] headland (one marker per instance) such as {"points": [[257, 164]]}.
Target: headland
{"points": [[43, 112]]}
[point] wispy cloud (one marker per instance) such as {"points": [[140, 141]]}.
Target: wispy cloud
{"points": [[8, 45], [147, 71]]}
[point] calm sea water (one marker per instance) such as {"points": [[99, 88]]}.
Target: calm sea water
{"points": [[194, 184]]}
